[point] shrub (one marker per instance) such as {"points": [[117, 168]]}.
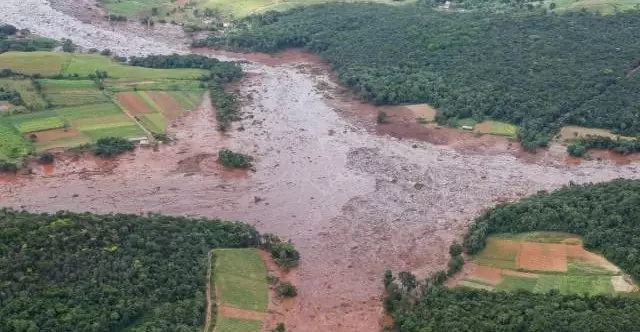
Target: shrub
{"points": [[232, 159], [106, 52], [279, 328], [286, 289], [6, 166], [111, 146], [382, 117], [46, 158], [285, 254]]}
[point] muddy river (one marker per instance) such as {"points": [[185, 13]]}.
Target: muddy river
{"points": [[354, 201]]}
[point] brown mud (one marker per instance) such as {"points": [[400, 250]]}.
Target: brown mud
{"points": [[354, 197]]}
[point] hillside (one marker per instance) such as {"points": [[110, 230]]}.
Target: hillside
{"points": [[70, 272], [536, 70], [604, 214]]}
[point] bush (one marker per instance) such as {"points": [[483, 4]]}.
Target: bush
{"points": [[455, 265], [68, 46], [279, 328], [46, 158], [106, 52], [286, 289], [6, 166], [285, 254], [111, 146], [232, 159], [382, 117]]}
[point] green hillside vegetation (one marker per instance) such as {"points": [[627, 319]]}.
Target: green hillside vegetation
{"points": [[537, 70], [64, 100], [70, 272], [605, 215], [11, 39], [241, 279]]}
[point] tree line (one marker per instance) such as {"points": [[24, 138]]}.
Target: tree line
{"points": [[605, 215], [22, 45], [85, 272], [535, 69]]}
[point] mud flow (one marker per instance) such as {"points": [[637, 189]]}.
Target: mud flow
{"points": [[355, 197]]}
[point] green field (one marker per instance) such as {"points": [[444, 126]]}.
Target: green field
{"points": [[53, 63], [26, 123], [603, 6], [240, 279], [12, 143], [154, 122], [120, 85], [498, 128], [30, 96], [72, 92], [189, 100], [44, 63], [228, 324], [584, 273]]}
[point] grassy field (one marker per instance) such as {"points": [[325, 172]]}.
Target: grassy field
{"points": [[53, 63], [228, 324], [496, 128], [121, 85], [44, 63], [72, 92], [240, 279], [12, 143], [498, 266], [606, 7], [30, 96]]}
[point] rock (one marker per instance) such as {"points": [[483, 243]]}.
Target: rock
{"points": [[418, 186]]}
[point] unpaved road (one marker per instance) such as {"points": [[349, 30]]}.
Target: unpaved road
{"points": [[353, 202]]}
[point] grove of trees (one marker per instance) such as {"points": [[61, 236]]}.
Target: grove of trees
{"points": [[85, 272], [605, 214], [535, 69]]}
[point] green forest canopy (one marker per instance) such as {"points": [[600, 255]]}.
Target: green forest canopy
{"points": [[86, 272], [534, 69], [607, 215]]}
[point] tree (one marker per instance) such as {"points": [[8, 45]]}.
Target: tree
{"points": [[407, 280], [382, 117], [388, 278], [68, 46], [552, 6]]}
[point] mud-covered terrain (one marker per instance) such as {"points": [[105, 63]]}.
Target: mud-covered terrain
{"points": [[352, 201]]}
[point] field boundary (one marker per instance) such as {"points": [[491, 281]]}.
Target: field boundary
{"points": [[133, 118]]}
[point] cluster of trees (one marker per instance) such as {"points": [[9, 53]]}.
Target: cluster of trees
{"points": [[86, 272], [604, 214], [111, 146], [579, 146], [535, 69], [232, 159], [11, 96], [22, 45], [222, 71]]}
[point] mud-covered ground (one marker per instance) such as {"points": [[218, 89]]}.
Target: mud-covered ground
{"points": [[354, 202]]}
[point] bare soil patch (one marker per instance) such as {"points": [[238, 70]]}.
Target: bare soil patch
{"points": [[486, 274], [572, 132], [227, 311], [132, 103], [535, 256], [623, 284], [170, 108]]}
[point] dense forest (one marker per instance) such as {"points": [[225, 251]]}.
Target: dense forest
{"points": [[86, 272], [606, 215], [535, 69]]}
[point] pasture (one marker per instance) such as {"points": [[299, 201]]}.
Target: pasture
{"points": [[540, 262], [496, 128], [12, 144], [71, 92], [56, 63], [241, 279], [228, 324], [30, 96]]}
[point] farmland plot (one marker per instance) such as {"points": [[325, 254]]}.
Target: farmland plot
{"points": [[12, 144], [28, 92], [44, 63]]}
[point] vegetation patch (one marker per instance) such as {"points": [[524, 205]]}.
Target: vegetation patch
{"points": [[548, 300], [43, 63], [465, 63], [155, 264], [12, 143], [27, 123], [29, 95], [241, 279], [232, 159], [496, 128], [229, 324]]}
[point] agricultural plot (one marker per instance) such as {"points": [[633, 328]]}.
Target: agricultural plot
{"points": [[85, 64], [12, 143], [44, 63], [568, 133], [496, 128], [228, 324], [606, 7], [240, 279], [540, 262], [72, 92], [157, 108], [30, 96], [423, 112], [120, 85]]}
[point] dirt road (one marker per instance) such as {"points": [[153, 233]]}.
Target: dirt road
{"points": [[353, 202]]}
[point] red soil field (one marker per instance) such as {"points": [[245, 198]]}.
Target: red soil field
{"points": [[130, 101], [487, 274], [542, 257], [170, 108]]}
